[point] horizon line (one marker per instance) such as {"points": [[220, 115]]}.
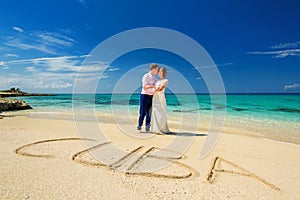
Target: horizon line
{"points": [[198, 93]]}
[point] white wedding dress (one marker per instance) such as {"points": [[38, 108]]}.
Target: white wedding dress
{"points": [[159, 122]]}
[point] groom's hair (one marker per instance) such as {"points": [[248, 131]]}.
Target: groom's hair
{"points": [[153, 66]]}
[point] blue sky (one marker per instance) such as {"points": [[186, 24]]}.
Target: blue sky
{"points": [[255, 44]]}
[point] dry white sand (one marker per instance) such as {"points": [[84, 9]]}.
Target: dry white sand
{"points": [[239, 167]]}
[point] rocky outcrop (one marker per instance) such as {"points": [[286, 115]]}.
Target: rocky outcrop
{"points": [[13, 104]]}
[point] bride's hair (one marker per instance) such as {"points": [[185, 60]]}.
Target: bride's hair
{"points": [[164, 71]]}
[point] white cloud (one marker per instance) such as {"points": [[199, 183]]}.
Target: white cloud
{"points": [[279, 53], [36, 60], [2, 63], [286, 45], [18, 29], [11, 55], [214, 66], [65, 76], [43, 41], [287, 49], [54, 73], [224, 64], [39, 47], [53, 38], [31, 69], [66, 30], [65, 63], [53, 85], [112, 69], [292, 86], [8, 82], [29, 83]]}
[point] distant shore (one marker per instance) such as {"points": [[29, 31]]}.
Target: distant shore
{"points": [[19, 94], [7, 104]]}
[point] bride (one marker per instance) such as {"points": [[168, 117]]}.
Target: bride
{"points": [[159, 106]]}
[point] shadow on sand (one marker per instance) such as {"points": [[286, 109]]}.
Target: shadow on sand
{"points": [[183, 134]]}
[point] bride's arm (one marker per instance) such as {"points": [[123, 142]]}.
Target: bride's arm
{"points": [[162, 87]]}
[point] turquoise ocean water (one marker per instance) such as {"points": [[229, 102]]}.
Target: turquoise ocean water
{"points": [[275, 116]]}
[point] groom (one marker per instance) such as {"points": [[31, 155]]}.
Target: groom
{"points": [[146, 97]]}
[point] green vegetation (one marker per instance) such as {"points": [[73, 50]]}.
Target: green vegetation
{"points": [[13, 90]]}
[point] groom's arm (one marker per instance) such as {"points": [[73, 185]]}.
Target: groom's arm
{"points": [[148, 87], [146, 83]]}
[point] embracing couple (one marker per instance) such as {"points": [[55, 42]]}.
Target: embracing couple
{"points": [[153, 101]]}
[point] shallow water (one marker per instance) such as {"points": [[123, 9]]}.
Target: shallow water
{"points": [[275, 116]]}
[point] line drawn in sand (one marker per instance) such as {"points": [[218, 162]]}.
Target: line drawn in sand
{"points": [[216, 169], [126, 163], [131, 162]]}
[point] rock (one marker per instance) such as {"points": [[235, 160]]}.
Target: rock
{"points": [[13, 104]]}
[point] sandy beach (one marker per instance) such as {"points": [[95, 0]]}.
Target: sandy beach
{"points": [[44, 158]]}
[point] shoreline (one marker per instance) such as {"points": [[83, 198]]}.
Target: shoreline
{"points": [[231, 126], [109, 120]]}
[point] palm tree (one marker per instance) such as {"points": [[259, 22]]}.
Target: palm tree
{"points": [[13, 89]]}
